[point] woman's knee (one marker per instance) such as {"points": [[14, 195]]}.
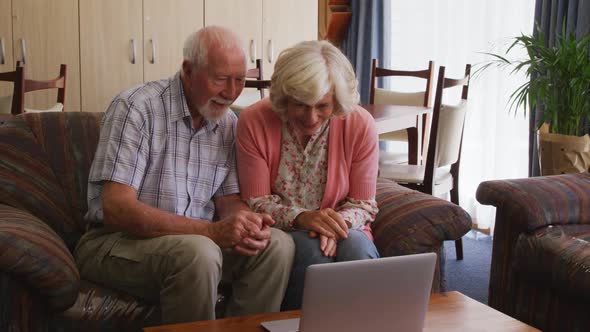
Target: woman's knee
{"points": [[307, 249], [357, 246]]}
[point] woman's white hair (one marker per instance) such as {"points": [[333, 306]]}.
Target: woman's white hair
{"points": [[308, 71], [197, 44]]}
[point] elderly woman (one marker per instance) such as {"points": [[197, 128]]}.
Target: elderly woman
{"points": [[308, 157]]}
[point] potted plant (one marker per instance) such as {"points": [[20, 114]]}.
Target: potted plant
{"points": [[559, 86]]}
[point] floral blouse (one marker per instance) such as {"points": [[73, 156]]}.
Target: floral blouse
{"points": [[301, 181]]}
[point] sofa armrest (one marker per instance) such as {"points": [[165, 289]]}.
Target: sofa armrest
{"points": [[411, 222], [531, 203], [32, 252]]}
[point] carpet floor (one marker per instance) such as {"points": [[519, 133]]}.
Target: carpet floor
{"points": [[470, 276]]}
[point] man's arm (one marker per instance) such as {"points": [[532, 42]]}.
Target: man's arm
{"points": [[229, 204], [239, 228], [124, 212]]}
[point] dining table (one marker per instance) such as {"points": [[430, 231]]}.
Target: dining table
{"points": [[390, 118]]}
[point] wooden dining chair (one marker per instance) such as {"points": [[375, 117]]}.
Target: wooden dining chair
{"points": [[23, 85], [255, 79], [394, 96], [440, 174], [16, 77], [261, 85]]}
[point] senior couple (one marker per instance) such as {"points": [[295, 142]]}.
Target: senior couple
{"points": [[169, 219]]}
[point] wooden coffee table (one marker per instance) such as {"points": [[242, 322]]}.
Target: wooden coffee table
{"points": [[451, 311]]}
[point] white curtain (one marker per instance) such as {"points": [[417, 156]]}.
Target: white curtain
{"points": [[454, 33]]}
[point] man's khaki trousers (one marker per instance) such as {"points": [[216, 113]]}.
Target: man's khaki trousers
{"points": [[182, 272]]}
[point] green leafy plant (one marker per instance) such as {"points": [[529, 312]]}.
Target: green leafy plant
{"points": [[558, 79]]}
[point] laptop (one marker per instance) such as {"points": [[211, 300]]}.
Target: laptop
{"points": [[383, 294]]}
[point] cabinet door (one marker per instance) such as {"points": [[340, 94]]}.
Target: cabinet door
{"points": [[111, 50], [243, 17], [6, 62], [45, 32], [286, 22], [166, 24]]}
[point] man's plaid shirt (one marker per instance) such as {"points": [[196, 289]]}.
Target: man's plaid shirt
{"points": [[147, 142]]}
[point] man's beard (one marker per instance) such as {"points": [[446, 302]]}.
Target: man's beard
{"points": [[211, 112]]}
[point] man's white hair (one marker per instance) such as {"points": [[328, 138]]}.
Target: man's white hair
{"points": [[308, 71], [197, 44]]}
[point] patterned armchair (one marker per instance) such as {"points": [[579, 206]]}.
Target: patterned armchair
{"points": [[44, 165], [540, 271]]}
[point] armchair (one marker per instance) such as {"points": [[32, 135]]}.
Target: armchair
{"points": [[541, 250], [44, 168]]}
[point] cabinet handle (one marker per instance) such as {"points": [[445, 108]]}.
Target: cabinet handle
{"points": [[133, 51], [23, 45], [153, 51], [271, 51], [2, 52], [252, 51]]}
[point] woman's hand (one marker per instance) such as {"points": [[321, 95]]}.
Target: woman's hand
{"points": [[327, 245], [326, 222]]}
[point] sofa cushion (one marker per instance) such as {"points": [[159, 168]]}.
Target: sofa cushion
{"points": [[31, 251], [557, 256], [69, 139], [27, 181], [411, 222]]}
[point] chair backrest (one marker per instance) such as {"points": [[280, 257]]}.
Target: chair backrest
{"points": [[385, 96], [261, 85], [25, 85], [448, 122], [17, 78], [255, 79]]}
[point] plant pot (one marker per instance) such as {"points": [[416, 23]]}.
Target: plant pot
{"points": [[560, 154]]}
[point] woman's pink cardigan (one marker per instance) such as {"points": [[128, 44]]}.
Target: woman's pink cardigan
{"points": [[353, 154]]}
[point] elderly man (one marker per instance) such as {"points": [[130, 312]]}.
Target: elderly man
{"points": [[164, 167]]}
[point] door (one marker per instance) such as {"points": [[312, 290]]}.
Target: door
{"points": [[286, 22], [166, 25], [111, 50], [45, 35], [242, 17], [245, 19]]}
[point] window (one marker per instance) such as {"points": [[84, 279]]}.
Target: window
{"points": [[454, 33]]}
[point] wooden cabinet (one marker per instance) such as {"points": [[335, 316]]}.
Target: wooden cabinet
{"points": [[267, 26], [286, 23], [125, 43], [243, 17], [166, 26], [113, 45], [111, 50], [44, 35]]}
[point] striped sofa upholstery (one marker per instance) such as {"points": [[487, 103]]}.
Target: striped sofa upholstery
{"points": [[411, 222], [541, 250], [44, 165], [45, 159]]}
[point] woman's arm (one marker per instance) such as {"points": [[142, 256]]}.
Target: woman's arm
{"points": [[357, 212], [365, 155], [253, 157], [283, 215]]}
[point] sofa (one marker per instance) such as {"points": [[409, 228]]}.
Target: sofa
{"points": [[44, 166], [540, 272]]}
